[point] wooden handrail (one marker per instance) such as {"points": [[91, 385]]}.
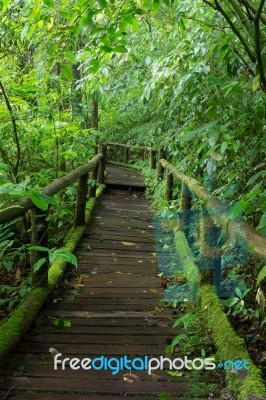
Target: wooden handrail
{"points": [[256, 242], [133, 146], [39, 224], [17, 209]]}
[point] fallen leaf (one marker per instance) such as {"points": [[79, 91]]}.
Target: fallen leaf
{"points": [[53, 351], [126, 379], [153, 290], [123, 273], [128, 243], [80, 278], [18, 275], [175, 373], [131, 376]]}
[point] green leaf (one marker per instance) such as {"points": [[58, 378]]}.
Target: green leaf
{"points": [[120, 49], [262, 275], [48, 3], [66, 71], [224, 146], [39, 248], [64, 255], [235, 211], [102, 3], [70, 56], [256, 83], [24, 32], [95, 65], [62, 323], [178, 339], [85, 21], [41, 200], [5, 5], [262, 224], [38, 264]]}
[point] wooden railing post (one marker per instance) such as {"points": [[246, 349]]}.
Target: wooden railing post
{"points": [[210, 252], [81, 200], [102, 163], [94, 174], [169, 186], [152, 159], [185, 206], [126, 155], [39, 237], [160, 169], [144, 152]]}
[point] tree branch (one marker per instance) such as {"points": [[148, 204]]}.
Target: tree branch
{"points": [[9, 107], [210, 4], [254, 10], [241, 16], [258, 46], [236, 32], [245, 63]]}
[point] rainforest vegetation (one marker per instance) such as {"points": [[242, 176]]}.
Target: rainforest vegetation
{"points": [[185, 76]]}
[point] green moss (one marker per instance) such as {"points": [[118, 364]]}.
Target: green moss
{"points": [[22, 317], [229, 346], [188, 262]]}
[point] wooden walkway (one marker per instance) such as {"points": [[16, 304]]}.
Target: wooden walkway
{"points": [[111, 307]]}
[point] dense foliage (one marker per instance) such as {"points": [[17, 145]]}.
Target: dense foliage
{"points": [[185, 76]]}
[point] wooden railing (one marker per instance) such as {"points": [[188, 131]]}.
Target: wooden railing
{"points": [[39, 225], [255, 242]]}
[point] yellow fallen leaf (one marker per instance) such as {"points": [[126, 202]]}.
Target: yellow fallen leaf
{"points": [[153, 290], [129, 243], [131, 377], [53, 351], [123, 273]]}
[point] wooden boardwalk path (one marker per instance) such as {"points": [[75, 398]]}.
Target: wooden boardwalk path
{"points": [[111, 307]]}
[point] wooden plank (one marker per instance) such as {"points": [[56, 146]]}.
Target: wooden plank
{"points": [[105, 301], [109, 315], [117, 293], [66, 396], [115, 254], [78, 320], [123, 259], [102, 236], [93, 386], [105, 307], [47, 370], [112, 314], [148, 331], [96, 339]]}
